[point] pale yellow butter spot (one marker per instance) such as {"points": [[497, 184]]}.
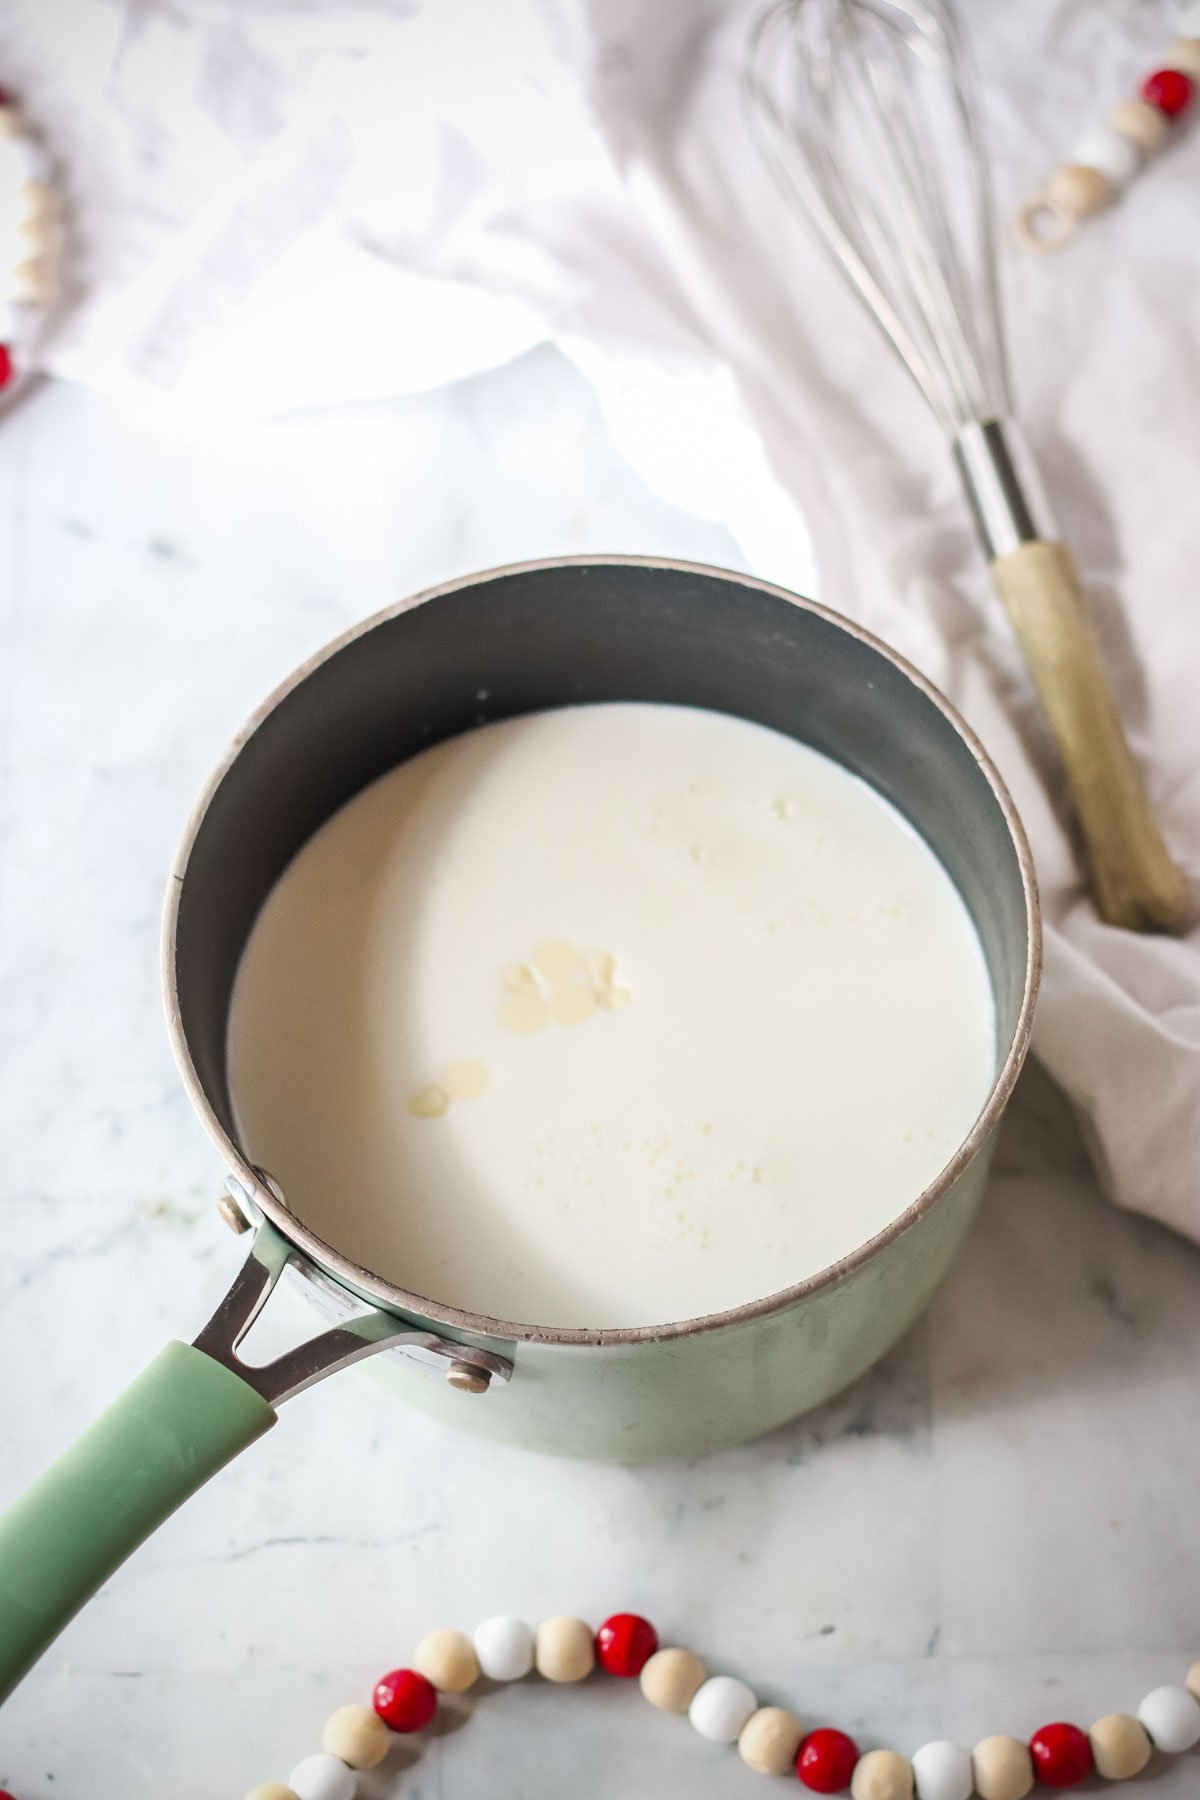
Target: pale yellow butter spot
{"points": [[571, 1003], [616, 997], [601, 968], [522, 980], [556, 962], [465, 1079], [524, 1012], [430, 1103]]}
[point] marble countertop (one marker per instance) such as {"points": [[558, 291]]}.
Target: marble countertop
{"points": [[996, 1527]]}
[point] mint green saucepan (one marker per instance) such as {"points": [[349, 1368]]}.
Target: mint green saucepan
{"points": [[538, 636]]}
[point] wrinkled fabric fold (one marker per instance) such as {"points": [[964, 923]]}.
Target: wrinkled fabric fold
{"points": [[279, 208]]}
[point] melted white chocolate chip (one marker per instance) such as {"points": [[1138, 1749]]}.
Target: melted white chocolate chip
{"points": [[524, 1012], [557, 962], [430, 1103], [571, 1003], [465, 1079], [562, 984]]}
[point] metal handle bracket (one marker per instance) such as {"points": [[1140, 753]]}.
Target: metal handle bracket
{"points": [[337, 1348]]}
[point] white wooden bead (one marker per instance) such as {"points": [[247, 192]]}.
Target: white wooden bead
{"points": [[1184, 54], [1115, 156], [38, 200], [769, 1741], [18, 323], [720, 1709], [448, 1660], [504, 1647], [1172, 1717], [322, 1777], [1003, 1768], [357, 1736], [943, 1771], [1144, 125], [564, 1650], [21, 161]]}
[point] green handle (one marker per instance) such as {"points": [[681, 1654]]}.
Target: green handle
{"points": [[181, 1421]]}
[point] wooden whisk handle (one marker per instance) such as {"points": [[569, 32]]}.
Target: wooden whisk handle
{"points": [[1134, 880]]}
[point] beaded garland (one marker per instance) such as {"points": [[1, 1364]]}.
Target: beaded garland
{"points": [[30, 242], [770, 1740], [1105, 159]]}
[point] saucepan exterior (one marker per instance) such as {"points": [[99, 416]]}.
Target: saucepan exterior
{"points": [[574, 632]]}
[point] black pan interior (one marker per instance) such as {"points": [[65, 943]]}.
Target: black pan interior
{"points": [[561, 635]]}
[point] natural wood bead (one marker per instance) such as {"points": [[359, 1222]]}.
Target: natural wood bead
{"points": [[448, 1660], [38, 200], [1141, 123], [882, 1775], [1120, 1746], [565, 1649], [671, 1679], [1192, 1682], [271, 1790], [769, 1741], [1079, 191], [1003, 1769], [34, 282], [1184, 54], [357, 1735]]}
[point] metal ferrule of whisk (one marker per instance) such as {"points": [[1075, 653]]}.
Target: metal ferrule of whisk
{"points": [[1002, 486]]}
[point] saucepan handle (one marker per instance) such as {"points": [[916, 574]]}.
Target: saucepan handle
{"points": [[183, 1418], [188, 1415]]}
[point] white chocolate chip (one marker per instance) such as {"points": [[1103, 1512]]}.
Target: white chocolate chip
{"points": [[430, 1103], [524, 1012], [465, 1079], [571, 1003], [556, 962]]}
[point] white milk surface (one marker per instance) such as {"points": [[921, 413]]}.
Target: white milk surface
{"points": [[608, 1016]]}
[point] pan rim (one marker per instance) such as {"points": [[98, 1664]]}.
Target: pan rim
{"points": [[363, 1282]]}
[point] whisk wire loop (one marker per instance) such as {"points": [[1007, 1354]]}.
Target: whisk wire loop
{"points": [[865, 113]]}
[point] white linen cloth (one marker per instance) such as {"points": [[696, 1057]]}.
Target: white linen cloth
{"points": [[281, 205]]}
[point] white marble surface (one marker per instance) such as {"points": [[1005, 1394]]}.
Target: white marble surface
{"points": [[996, 1527]]}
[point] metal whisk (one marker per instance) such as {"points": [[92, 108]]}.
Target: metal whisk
{"points": [[865, 113]]}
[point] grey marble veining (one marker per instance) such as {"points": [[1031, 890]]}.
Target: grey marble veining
{"points": [[995, 1527]]}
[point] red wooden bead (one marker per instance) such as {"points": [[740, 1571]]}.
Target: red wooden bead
{"points": [[625, 1643], [7, 371], [1061, 1755], [404, 1700], [825, 1760], [1168, 89]]}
